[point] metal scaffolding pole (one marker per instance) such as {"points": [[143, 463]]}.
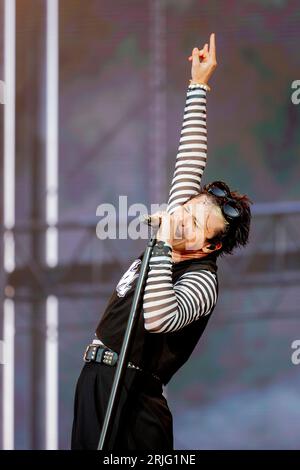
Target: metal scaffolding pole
{"points": [[158, 108], [9, 220], [51, 254]]}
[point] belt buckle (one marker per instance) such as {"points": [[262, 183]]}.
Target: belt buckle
{"points": [[85, 353], [93, 354]]}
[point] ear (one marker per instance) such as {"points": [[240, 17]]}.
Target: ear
{"points": [[210, 247]]}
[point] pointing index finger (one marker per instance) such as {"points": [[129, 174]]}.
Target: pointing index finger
{"points": [[212, 46]]}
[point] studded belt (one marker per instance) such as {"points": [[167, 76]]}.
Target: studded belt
{"points": [[103, 355]]}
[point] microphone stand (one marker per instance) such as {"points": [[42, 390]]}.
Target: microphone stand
{"points": [[122, 360]]}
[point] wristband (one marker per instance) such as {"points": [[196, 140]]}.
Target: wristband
{"points": [[201, 85]]}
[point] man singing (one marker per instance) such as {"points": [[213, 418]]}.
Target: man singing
{"points": [[200, 224]]}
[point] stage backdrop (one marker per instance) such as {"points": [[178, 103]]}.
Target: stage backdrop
{"points": [[123, 75]]}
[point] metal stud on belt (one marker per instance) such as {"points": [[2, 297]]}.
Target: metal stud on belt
{"points": [[108, 358]]}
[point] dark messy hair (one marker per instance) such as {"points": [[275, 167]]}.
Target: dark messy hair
{"points": [[236, 233]]}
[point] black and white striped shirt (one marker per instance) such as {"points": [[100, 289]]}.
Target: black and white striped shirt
{"points": [[168, 307]]}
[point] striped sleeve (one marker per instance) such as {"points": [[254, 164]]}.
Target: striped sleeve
{"points": [[192, 151], [168, 307]]}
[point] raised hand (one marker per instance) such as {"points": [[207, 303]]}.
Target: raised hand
{"points": [[204, 61]]}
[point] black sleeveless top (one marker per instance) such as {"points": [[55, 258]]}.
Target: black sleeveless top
{"points": [[160, 353]]}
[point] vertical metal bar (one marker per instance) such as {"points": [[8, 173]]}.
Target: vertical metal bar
{"points": [[8, 377], [51, 373], [52, 132], [51, 219], [158, 109], [9, 218]]}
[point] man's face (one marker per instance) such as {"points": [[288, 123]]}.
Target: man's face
{"points": [[195, 222]]}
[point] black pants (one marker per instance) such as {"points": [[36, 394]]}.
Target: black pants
{"points": [[143, 420]]}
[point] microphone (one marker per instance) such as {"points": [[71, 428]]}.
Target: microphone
{"points": [[151, 220]]}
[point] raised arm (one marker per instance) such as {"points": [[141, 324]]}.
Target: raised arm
{"points": [[168, 307], [192, 151]]}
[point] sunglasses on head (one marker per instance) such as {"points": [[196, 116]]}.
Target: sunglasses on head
{"points": [[229, 206]]}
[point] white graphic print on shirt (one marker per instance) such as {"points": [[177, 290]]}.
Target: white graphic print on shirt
{"points": [[127, 279]]}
